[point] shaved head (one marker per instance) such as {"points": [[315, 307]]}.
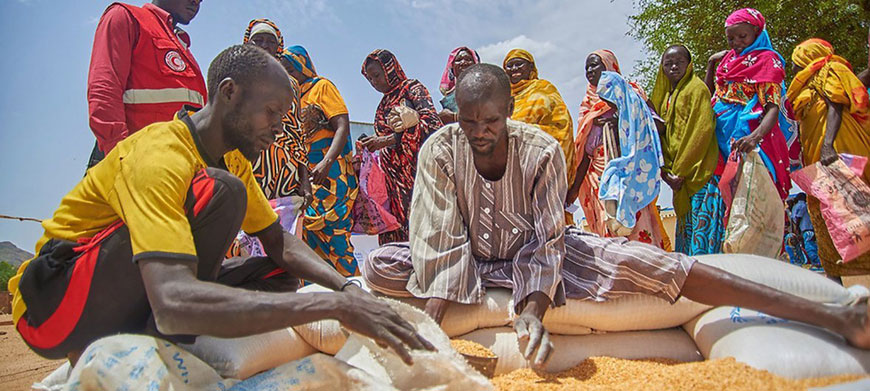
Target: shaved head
{"points": [[483, 95], [483, 82]]}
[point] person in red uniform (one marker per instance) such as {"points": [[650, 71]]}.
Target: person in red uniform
{"points": [[141, 71]]}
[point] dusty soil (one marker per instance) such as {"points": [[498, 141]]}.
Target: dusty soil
{"points": [[5, 303], [19, 366]]}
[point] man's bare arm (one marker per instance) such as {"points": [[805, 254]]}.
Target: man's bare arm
{"points": [[294, 256], [183, 304]]}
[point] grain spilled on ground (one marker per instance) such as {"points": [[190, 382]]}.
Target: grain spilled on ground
{"points": [[471, 348], [606, 373]]}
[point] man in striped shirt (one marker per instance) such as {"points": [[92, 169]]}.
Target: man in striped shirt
{"points": [[487, 212]]}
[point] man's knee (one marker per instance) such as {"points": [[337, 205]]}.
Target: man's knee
{"points": [[388, 268], [213, 188], [229, 184], [257, 274]]}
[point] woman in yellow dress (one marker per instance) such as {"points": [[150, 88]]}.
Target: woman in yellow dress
{"points": [[832, 105]]}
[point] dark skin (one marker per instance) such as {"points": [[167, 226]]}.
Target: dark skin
{"points": [[265, 41], [675, 62], [518, 70], [864, 76], [828, 154], [461, 61], [378, 79], [740, 36], [341, 124], [182, 11], [484, 123], [182, 304], [304, 181], [594, 67]]}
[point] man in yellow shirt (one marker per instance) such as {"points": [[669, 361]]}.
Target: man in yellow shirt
{"points": [[138, 244]]}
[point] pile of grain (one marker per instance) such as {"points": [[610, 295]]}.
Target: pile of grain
{"points": [[471, 348], [606, 373]]}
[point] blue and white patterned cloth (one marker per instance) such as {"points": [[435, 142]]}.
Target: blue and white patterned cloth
{"points": [[632, 179]]}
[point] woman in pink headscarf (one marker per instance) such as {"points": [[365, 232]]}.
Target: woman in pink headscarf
{"points": [[748, 88], [590, 160], [459, 59]]}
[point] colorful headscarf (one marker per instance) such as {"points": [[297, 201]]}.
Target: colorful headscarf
{"points": [[758, 63], [520, 53], [827, 77], [746, 15], [592, 107], [689, 146], [298, 57], [538, 102], [825, 72], [591, 101], [400, 162], [271, 24], [387, 60], [448, 79], [816, 52], [632, 179]]}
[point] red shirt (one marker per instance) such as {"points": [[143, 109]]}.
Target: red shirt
{"points": [[111, 63]]}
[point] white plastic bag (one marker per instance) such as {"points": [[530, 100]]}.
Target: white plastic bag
{"points": [[644, 312], [241, 358], [328, 336], [786, 348], [138, 362], [55, 380], [442, 370], [570, 350], [757, 215]]}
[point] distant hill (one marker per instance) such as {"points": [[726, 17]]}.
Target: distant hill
{"points": [[13, 255]]}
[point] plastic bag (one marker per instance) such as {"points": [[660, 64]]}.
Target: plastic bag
{"points": [[786, 348], [756, 213], [371, 211], [845, 202], [138, 362], [288, 209], [673, 343], [442, 370]]}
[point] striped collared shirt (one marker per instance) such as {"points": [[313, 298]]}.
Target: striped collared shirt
{"points": [[463, 226]]}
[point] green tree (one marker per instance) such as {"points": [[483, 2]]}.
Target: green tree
{"points": [[700, 25], [6, 272]]}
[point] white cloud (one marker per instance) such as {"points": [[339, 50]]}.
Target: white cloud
{"points": [[559, 34], [494, 53], [422, 4]]}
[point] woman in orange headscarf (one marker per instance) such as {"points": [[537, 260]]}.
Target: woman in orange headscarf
{"points": [[538, 102], [832, 105], [590, 162]]}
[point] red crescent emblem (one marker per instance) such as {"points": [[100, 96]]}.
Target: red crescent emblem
{"points": [[174, 61]]}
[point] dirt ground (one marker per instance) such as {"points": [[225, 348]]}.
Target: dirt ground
{"points": [[19, 366]]}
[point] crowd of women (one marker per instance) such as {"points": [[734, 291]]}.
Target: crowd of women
{"points": [[625, 144]]}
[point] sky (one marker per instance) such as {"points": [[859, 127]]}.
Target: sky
{"points": [[44, 135]]}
